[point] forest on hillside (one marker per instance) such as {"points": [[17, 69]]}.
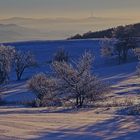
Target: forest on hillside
{"points": [[107, 33]]}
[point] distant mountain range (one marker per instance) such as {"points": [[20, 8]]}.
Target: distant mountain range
{"points": [[105, 33], [13, 32], [22, 20]]}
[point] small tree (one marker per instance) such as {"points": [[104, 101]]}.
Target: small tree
{"points": [[61, 55], [77, 82], [23, 60], [6, 60], [106, 48]]}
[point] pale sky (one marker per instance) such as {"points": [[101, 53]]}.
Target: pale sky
{"points": [[70, 8]]}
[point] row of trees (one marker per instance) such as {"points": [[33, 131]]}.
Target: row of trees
{"points": [[109, 33], [122, 41], [11, 58], [71, 82]]}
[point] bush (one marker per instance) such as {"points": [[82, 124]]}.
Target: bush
{"points": [[45, 89], [77, 82]]}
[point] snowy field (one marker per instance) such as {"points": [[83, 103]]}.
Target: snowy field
{"points": [[103, 123]]}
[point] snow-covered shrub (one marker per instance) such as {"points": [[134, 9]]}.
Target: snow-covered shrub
{"points": [[23, 61], [45, 89], [61, 55], [6, 59], [77, 81]]}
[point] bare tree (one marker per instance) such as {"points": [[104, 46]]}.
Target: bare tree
{"points": [[61, 55], [6, 59], [23, 60], [77, 81]]}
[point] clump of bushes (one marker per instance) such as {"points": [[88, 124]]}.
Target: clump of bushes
{"points": [[70, 82], [45, 89]]}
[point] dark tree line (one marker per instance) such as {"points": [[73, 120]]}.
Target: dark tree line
{"points": [[106, 33]]}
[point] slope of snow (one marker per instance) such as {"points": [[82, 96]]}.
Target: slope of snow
{"points": [[108, 70]]}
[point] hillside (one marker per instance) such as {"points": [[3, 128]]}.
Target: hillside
{"points": [[44, 50], [105, 33]]}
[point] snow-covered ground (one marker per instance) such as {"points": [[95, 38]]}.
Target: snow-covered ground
{"points": [[108, 70], [90, 124], [36, 124]]}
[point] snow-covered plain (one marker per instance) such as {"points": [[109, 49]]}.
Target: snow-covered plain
{"points": [[88, 124]]}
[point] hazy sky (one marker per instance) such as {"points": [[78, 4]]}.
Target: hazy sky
{"points": [[70, 8], [110, 13]]}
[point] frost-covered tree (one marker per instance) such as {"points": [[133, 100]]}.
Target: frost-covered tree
{"points": [[6, 59], [71, 82], [61, 55], [125, 41], [106, 48], [45, 89], [77, 82], [23, 61]]}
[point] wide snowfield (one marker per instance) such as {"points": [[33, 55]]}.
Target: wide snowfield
{"points": [[85, 125], [103, 123]]}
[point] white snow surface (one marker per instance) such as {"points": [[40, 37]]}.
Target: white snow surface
{"points": [[19, 122]]}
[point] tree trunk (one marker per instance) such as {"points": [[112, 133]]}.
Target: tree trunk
{"points": [[77, 101]]}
